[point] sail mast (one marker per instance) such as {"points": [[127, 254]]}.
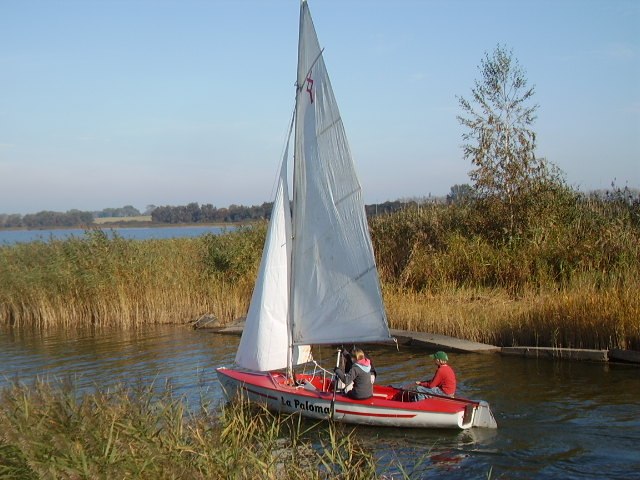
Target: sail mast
{"points": [[298, 87]]}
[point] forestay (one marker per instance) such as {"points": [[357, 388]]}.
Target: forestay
{"points": [[265, 338]]}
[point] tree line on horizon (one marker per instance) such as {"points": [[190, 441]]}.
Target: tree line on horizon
{"points": [[191, 213], [70, 218], [207, 213]]}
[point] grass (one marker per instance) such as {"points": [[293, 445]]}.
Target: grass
{"points": [[566, 275], [576, 318], [52, 431], [103, 280]]}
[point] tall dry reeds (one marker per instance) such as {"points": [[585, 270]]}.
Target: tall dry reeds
{"points": [[567, 278], [566, 275], [103, 279]]}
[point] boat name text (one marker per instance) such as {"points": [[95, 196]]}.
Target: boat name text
{"points": [[306, 406]]}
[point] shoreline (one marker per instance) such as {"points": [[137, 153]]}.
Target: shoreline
{"points": [[124, 224], [451, 344]]}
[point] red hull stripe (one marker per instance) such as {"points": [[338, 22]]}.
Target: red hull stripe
{"points": [[260, 394], [384, 415]]}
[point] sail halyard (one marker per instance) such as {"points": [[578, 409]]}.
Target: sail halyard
{"points": [[290, 346]]}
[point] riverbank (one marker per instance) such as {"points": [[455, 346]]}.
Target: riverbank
{"points": [[431, 341], [548, 293]]}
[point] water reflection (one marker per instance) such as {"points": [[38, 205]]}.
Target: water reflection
{"points": [[104, 357], [556, 419]]}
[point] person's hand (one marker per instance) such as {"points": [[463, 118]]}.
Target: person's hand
{"points": [[417, 382]]}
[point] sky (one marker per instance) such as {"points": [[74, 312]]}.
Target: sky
{"points": [[107, 103]]}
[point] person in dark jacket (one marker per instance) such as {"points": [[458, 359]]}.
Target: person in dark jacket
{"points": [[359, 376], [349, 360]]}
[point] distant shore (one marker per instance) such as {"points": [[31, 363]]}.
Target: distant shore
{"points": [[125, 223]]}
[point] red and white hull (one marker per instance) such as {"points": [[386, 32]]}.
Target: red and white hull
{"points": [[312, 397]]}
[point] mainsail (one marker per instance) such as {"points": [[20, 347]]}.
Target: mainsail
{"points": [[317, 282], [335, 285]]}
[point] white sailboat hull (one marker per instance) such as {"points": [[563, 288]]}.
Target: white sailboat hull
{"points": [[385, 409]]}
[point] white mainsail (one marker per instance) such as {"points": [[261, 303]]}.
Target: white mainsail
{"points": [[336, 290], [317, 283]]}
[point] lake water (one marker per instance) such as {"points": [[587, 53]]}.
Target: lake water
{"points": [[10, 237], [556, 419]]}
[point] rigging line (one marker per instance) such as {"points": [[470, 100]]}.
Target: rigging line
{"points": [[321, 368], [284, 153]]}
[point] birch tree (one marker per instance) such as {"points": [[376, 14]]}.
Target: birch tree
{"points": [[499, 139]]}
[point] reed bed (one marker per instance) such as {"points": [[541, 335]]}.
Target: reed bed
{"points": [[103, 279], [580, 317], [565, 275], [51, 431]]}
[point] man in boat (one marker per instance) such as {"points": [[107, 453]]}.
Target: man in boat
{"points": [[359, 376], [442, 383]]}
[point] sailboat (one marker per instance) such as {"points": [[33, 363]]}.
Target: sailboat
{"points": [[317, 282]]}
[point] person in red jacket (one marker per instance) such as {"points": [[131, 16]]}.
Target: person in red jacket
{"points": [[443, 382]]}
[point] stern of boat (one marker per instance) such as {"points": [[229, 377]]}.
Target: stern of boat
{"points": [[483, 416]]}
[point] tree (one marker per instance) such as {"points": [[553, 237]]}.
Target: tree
{"points": [[150, 208], [129, 211], [499, 139], [460, 193]]}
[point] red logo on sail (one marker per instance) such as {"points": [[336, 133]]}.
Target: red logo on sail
{"points": [[310, 87]]}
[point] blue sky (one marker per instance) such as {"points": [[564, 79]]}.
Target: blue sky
{"points": [[167, 102]]}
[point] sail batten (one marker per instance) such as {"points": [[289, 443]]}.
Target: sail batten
{"points": [[329, 127]]}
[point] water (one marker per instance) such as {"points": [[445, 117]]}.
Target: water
{"points": [[555, 419], [10, 237]]}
